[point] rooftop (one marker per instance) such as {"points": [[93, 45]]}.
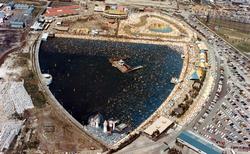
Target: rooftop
{"points": [[161, 124], [62, 11], [199, 143], [2, 15]]}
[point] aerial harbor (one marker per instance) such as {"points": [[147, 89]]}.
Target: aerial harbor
{"points": [[125, 76]]}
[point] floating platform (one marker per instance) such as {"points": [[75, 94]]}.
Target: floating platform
{"points": [[122, 66]]}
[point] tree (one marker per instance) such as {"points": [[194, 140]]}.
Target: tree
{"points": [[174, 151]]}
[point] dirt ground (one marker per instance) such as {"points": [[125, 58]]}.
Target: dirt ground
{"points": [[57, 135], [46, 130]]}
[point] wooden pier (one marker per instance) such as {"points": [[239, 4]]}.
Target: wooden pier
{"points": [[122, 66]]}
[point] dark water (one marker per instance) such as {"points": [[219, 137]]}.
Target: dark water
{"points": [[84, 81]]}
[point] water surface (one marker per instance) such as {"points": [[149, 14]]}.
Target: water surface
{"points": [[85, 83]]}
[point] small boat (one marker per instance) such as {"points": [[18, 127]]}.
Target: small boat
{"points": [[174, 80], [47, 78]]}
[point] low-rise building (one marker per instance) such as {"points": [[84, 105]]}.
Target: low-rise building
{"points": [[2, 16], [38, 26], [29, 11], [10, 6], [198, 143], [17, 24], [160, 125], [21, 6], [62, 11], [8, 131]]}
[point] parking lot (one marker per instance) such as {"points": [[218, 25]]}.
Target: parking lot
{"points": [[225, 120]]}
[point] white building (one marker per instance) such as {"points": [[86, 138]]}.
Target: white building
{"points": [[8, 131], [13, 99], [2, 16]]}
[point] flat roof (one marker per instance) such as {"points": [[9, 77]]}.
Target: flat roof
{"points": [[2, 15], [199, 143], [160, 124], [202, 46], [61, 11]]}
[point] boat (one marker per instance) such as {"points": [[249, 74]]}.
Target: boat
{"points": [[174, 80], [47, 78]]}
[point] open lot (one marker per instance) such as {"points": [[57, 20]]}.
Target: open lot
{"points": [[237, 34]]}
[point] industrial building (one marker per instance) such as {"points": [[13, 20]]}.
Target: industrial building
{"points": [[21, 6], [8, 131], [29, 11], [19, 100], [17, 24], [14, 100], [62, 11], [38, 26], [10, 6]]}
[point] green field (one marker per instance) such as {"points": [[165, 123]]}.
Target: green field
{"points": [[238, 34]]}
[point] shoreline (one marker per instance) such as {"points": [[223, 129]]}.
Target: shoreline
{"points": [[122, 39]]}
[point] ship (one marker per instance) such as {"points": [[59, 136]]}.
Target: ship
{"points": [[121, 65]]}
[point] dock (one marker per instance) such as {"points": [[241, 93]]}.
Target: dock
{"points": [[122, 66]]}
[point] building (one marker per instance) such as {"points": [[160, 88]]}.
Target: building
{"points": [[29, 11], [38, 26], [99, 8], [2, 16], [197, 74], [160, 125], [10, 6], [238, 2], [17, 24], [14, 100], [198, 143], [8, 131], [115, 14], [21, 6], [62, 11]]}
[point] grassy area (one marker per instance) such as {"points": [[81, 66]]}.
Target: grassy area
{"points": [[238, 34], [239, 39], [30, 80], [143, 21], [31, 85]]}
